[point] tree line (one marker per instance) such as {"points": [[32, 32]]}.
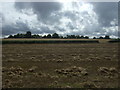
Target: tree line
{"points": [[28, 34]]}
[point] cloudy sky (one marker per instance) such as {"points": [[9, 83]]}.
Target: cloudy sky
{"points": [[65, 18]]}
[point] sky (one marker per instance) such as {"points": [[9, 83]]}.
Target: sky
{"points": [[65, 18]]}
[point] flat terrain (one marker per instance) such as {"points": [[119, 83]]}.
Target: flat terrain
{"points": [[31, 39], [93, 65], [46, 41]]}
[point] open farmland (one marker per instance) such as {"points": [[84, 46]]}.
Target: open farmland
{"points": [[89, 65], [41, 41]]}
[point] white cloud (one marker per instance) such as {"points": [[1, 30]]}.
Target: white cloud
{"points": [[78, 20], [73, 18]]}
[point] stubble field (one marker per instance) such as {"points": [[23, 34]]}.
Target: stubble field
{"points": [[92, 65]]}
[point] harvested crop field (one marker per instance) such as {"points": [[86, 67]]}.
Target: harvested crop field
{"points": [[89, 65], [47, 41]]}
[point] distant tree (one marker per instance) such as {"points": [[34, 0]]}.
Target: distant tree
{"points": [[49, 36], [61, 36], [55, 35], [101, 37], [28, 34], [23, 35], [94, 37], [68, 36], [82, 37], [20, 35], [86, 37], [77, 36], [36, 36], [107, 37], [10, 36], [65, 37], [44, 36], [73, 36], [15, 36]]}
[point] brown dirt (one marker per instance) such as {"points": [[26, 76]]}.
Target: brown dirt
{"points": [[35, 65]]}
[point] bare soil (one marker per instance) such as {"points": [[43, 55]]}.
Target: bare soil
{"points": [[60, 65]]}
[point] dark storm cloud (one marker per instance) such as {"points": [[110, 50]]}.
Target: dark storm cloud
{"points": [[42, 9], [106, 11], [22, 28], [18, 28]]}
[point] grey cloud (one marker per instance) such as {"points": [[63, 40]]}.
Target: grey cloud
{"points": [[70, 15], [106, 11], [2, 17], [61, 29], [71, 27], [49, 15], [18, 28], [22, 5], [22, 28], [42, 9], [46, 30]]}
